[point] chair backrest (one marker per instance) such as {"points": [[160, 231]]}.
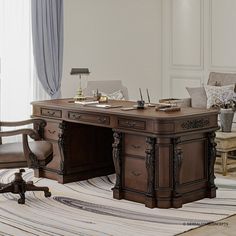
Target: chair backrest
{"points": [[221, 79], [106, 86]]}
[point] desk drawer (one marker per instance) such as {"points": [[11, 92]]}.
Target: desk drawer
{"points": [[91, 118], [135, 173], [51, 131], [131, 124], [51, 112], [135, 145]]}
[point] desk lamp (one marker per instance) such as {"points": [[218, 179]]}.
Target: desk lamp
{"points": [[79, 71]]}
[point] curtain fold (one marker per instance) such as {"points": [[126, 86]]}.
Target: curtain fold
{"points": [[47, 35]]}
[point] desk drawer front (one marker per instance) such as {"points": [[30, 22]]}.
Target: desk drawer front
{"points": [[51, 131], [97, 119], [131, 124], [51, 113], [135, 173], [135, 145]]}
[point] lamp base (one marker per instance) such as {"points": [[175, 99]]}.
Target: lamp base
{"points": [[79, 96]]}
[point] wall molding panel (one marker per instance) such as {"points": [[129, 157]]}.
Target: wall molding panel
{"points": [[198, 37], [187, 34], [222, 35]]}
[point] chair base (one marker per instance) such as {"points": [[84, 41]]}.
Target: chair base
{"points": [[18, 185]]}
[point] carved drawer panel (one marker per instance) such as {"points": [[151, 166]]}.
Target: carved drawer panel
{"points": [[51, 112], [135, 174], [194, 124], [51, 131], [131, 124], [135, 145], [92, 118]]}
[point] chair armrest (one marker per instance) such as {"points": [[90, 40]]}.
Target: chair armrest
{"points": [[23, 122], [31, 132], [38, 123]]}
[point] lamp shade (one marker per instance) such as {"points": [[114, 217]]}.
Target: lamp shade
{"points": [[80, 71]]}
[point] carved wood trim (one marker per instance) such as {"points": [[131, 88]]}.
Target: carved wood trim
{"points": [[116, 153], [62, 146], [211, 159], [150, 166], [177, 163]]}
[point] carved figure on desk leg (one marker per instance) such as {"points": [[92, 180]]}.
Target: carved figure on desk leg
{"points": [[150, 166], [211, 162], [40, 128], [178, 158], [117, 163], [62, 146]]}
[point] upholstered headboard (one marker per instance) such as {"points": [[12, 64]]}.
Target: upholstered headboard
{"points": [[221, 79], [106, 86]]}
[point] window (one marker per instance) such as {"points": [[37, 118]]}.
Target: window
{"points": [[18, 83]]}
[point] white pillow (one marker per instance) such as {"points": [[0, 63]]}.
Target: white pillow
{"points": [[117, 95], [216, 93]]}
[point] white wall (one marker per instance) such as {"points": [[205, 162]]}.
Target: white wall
{"points": [[199, 36], [164, 45], [115, 39]]}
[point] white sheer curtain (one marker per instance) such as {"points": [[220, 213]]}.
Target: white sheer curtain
{"points": [[19, 85]]}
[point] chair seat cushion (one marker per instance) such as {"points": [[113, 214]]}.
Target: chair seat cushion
{"points": [[13, 152]]}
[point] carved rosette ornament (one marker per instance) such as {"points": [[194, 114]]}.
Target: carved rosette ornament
{"points": [[150, 166], [211, 159], [178, 158], [62, 146], [117, 158]]}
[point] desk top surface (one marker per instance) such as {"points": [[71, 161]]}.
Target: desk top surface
{"points": [[147, 112]]}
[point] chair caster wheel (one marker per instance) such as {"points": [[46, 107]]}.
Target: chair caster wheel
{"points": [[47, 194], [21, 201]]}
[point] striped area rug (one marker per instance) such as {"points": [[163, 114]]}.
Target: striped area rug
{"points": [[87, 208]]}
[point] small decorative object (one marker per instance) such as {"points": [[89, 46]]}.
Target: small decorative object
{"points": [[167, 107], [176, 101], [227, 104], [79, 71], [103, 99], [140, 103], [97, 95]]}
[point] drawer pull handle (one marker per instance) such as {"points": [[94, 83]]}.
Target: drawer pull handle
{"points": [[135, 173], [76, 116], [102, 119], [136, 146], [130, 123], [51, 113], [51, 132]]}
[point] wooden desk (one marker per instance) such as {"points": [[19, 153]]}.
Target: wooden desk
{"points": [[161, 159]]}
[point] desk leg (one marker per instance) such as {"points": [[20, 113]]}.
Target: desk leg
{"points": [[117, 190], [224, 163], [150, 166]]}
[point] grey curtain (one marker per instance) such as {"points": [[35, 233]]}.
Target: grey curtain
{"points": [[47, 30]]}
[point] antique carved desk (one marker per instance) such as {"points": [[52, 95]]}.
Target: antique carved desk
{"points": [[161, 159]]}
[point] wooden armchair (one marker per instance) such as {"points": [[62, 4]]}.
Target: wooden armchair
{"points": [[34, 154]]}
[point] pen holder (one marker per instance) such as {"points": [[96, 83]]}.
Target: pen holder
{"points": [[140, 104]]}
